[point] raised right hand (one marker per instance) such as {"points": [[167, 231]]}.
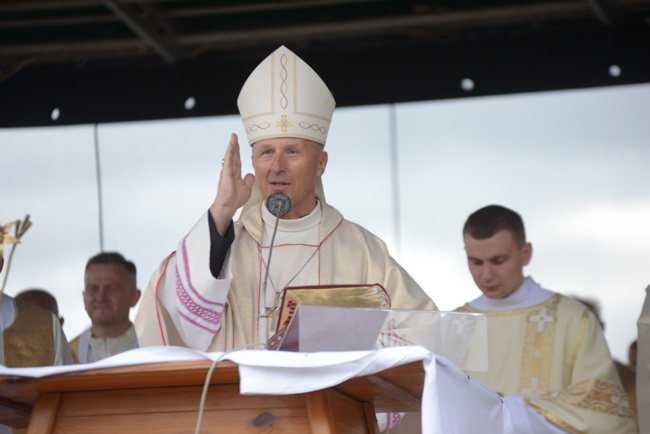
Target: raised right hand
{"points": [[233, 190]]}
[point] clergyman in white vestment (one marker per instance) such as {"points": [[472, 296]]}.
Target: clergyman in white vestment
{"points": [[110, 291], [207, 295], [546, 352]]}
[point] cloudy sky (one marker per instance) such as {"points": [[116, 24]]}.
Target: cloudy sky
{"points": [[574, 164]]}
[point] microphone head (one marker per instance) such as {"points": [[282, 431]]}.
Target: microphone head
{"points": [[278, 204]]}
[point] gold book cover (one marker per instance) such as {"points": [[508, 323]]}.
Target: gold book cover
{"points": [[331, 295], [371, 296]]}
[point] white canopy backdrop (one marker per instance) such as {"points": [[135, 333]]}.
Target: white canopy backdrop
{"points": [[573, 163]]}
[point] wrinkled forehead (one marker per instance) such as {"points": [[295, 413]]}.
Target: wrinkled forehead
{"points": [[286, 142]]}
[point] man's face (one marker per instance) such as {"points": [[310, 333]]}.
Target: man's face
{"points": [[109, 294], [497, 263], [289, 166]]}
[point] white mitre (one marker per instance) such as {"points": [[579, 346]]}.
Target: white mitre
{"points": [[284, 97]]}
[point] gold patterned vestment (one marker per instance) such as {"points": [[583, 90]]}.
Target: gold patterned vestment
{"points": [[29, 340], [554, 354]]}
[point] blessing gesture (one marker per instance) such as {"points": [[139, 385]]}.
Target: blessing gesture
{"points": [[233, 190]]}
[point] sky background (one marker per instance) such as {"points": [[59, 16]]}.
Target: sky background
{"points": [[574, 164]]}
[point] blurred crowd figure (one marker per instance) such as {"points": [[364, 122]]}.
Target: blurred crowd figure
{"points": [[42, 298], [110, 291]]}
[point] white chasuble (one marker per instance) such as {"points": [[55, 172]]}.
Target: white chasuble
{"points": [[554, 354], [185, 305]]}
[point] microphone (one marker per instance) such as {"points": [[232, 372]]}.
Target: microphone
{"points": [[278, 204]]}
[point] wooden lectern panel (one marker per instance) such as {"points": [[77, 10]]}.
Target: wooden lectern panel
{"points": [[175, 410], [14, 413], [332, 412], [165, 398], [44, 420]]}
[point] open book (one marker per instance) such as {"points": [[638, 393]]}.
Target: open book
{"points": [[359, 318], [370, 296]]}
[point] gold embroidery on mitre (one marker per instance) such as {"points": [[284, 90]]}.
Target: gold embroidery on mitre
{"points": [[284, 123], [537, 357], [284, 87], [595, 395], [313, 127], [255, 127]]}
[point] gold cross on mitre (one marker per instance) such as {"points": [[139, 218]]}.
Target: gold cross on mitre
{"points": [[21, 227], [284, 123]]}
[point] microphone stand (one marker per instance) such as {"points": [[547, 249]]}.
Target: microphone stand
{"points": [[278, 204], [264, 311]]}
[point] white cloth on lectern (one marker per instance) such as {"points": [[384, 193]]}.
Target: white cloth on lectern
{"points": [[447, 391], [526, 419]]}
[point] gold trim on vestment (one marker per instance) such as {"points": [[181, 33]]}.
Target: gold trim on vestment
{"points": [[555, 419], [74, 349], [595, 395], [537, 356], [580, 336]]}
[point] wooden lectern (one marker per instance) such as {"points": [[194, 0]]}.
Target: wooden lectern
{"points": [[164, 398]]}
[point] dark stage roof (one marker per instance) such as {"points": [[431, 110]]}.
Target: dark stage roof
{"points": [[121, 60]]}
